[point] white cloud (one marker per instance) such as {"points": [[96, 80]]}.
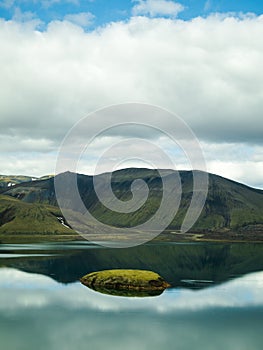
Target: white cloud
{"points": [[83, 19], [7, 3], [12, 143], [49, 3], [44, 3], [206, 70], [247, 172], [60, 75], [208, 5], [29, 18], [20, 16], [155, 8], [25, 163]]}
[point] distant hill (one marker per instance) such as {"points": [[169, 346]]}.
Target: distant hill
{"points": [[11, 180], [230, 206]]}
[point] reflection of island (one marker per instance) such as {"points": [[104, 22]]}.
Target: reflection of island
{"points": [[128, 293], [176, 263]]}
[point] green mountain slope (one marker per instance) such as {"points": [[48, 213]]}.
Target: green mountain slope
{"points": [[25, 218], [230, 206]]}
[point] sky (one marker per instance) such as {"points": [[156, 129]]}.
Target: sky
{"points": [[202, 60]]}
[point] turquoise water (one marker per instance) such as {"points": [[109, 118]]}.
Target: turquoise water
{"points": [[37, 311]]}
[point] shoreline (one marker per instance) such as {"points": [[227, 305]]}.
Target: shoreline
{"points": [[165, 237]]}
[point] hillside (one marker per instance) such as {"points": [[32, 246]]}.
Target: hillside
{"points": [[26, 218], [230, 206]]}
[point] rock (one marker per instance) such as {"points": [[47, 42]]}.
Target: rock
{"points": [[145, 283]]}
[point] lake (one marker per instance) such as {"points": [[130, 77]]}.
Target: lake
{"points": [[216, 299]]}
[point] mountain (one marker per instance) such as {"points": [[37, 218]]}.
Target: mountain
{"points": [[230, 207]]}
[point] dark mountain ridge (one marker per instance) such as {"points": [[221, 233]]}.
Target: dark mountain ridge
{"points": [[229, 207]]}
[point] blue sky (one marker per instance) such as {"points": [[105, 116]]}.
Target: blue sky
{"points": [[105, 11]]}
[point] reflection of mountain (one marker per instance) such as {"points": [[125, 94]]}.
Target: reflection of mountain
{"points": [[229, 205], [178, 264]]}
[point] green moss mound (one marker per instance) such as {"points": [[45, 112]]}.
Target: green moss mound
{"points": [[109, 281]]}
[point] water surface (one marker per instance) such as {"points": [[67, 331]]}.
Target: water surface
{"points": [[216, 301]]}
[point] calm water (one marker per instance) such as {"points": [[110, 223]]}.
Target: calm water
{"points": [[216, 301]]}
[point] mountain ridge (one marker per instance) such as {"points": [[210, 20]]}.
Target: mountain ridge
{"points": [[230, 206]]}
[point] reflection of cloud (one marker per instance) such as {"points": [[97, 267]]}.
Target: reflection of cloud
{"points": [[36, 291], [38, 313]]}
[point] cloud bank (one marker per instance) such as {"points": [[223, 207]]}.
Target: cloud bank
{"points": [[207, 70]]}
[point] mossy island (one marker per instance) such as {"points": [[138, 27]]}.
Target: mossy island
{"points": [[126, 282]]}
